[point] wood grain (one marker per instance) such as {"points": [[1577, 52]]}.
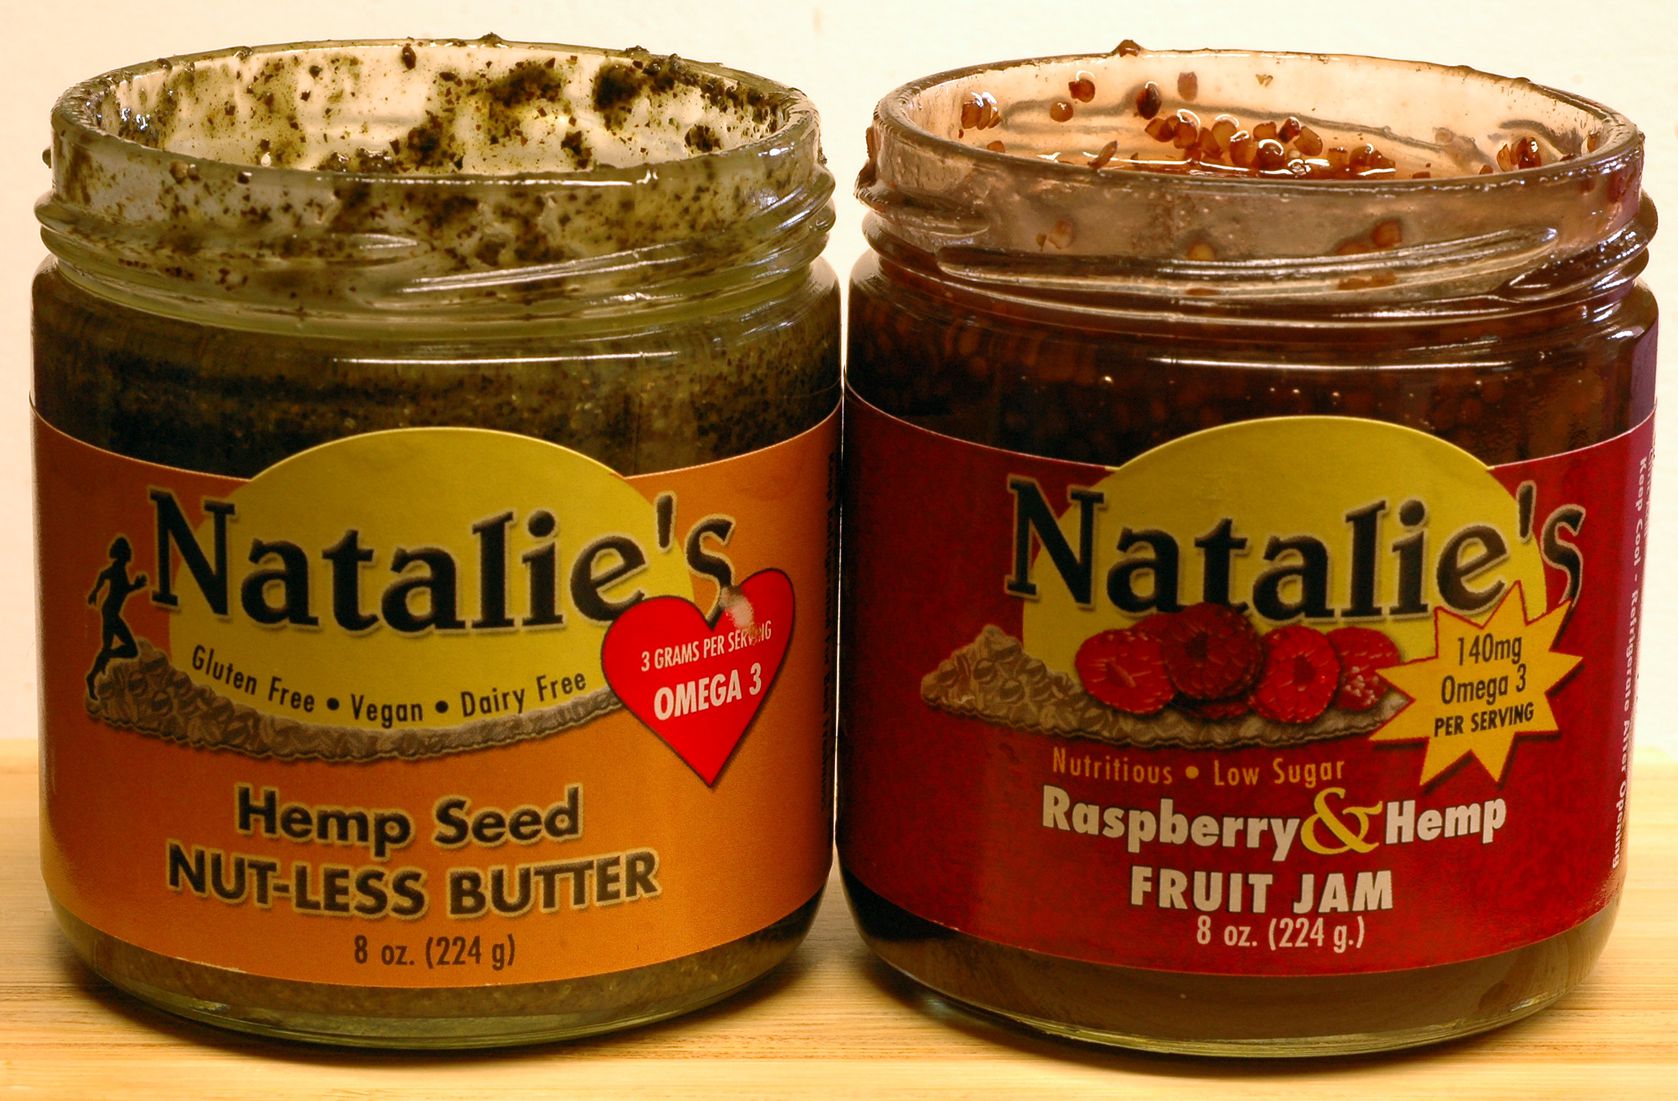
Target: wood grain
{"points": [[832, 1023]]}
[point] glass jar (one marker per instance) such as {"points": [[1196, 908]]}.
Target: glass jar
{"points": [[1239, 430], [427, 388]]}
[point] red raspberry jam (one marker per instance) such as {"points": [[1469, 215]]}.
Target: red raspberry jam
{"points": [[1248, 463]]}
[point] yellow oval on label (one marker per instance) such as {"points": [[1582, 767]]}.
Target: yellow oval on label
{"points": [[1322, 520], [415, 578]]}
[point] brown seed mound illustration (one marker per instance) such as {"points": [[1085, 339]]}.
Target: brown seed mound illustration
{"points": [[148, 695], [993, 678]]}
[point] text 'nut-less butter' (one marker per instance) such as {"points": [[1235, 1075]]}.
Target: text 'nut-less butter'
{"points": [[436, 465], [1247, 480]]}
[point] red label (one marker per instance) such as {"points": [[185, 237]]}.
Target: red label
{"points": [[1287, 697]]}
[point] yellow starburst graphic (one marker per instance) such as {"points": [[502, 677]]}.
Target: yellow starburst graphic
{"points": [[1485, 685]]}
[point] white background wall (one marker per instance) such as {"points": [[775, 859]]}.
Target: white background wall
{"points": [[845, 55]]}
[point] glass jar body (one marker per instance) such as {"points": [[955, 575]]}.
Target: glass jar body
{"points": [[640, 399], [648, 395], [1504, 388], [1231, 450], [1040, 381], [396, 397]]}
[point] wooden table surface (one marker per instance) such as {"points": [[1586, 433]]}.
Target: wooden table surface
{"points": [[831, 1023]]}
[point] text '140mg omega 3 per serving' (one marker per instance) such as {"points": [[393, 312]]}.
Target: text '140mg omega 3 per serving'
{"points": [[437, 496], [1248, 471]]}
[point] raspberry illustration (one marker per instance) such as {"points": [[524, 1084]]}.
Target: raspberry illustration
{"points": [[1155, 626], [1363, 651], [1300, 677], [1232, 708], [1211, 651], [1125, 671]]}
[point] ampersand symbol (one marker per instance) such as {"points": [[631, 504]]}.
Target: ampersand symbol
{"points": [[1353, 835]]}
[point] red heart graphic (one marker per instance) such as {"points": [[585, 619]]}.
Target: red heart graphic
{"points": [[699, 685]]}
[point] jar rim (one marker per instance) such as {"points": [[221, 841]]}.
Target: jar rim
{"points": [[1619, 135], [1036, 223], [431, 174], [76, 109]]}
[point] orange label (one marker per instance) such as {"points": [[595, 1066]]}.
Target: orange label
{"points": [[435, 707]]}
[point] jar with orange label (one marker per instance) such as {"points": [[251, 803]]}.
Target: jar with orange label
{"points": [[436, 452], [1248, 462]]}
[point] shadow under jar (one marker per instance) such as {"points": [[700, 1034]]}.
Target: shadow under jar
{"points": [[344, 261], [1230, 422]]}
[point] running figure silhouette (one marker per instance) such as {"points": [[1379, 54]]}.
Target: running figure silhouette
{"points": [[117, 640]]}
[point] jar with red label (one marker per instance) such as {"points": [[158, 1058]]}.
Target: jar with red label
{"points": [[1247, 478], [437, 479]]}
